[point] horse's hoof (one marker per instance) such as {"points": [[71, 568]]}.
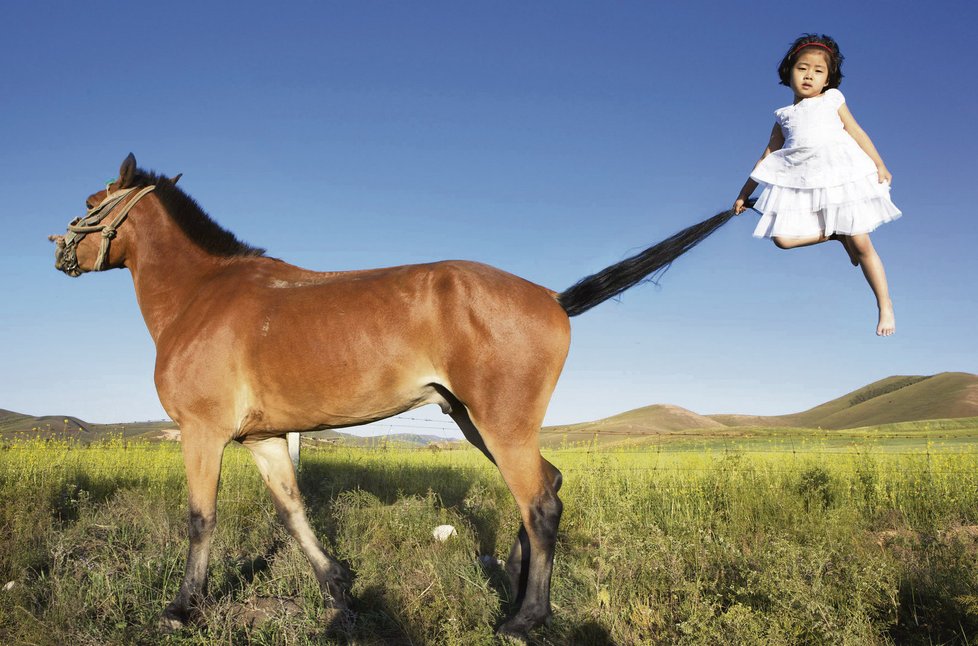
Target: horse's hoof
{"points": [[335, 596], [174, 618], [512, 637], [513, 631], [518, 627], [170, 623]]}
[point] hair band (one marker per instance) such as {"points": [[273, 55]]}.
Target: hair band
{"points": [[815, 44]]}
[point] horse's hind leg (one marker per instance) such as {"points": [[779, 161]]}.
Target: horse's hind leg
{"points": [[518, 563], [202, 459], [533, 483], [273, 460]]}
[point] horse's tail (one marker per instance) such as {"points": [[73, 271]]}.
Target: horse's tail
{"points": [[610, 282]]}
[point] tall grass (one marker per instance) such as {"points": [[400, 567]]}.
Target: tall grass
{"points": [[656, 547]]}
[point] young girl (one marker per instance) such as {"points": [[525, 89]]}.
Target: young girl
{"points": [[822, 177]]}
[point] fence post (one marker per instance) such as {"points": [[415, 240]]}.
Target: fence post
{"points": [[293, 439]]}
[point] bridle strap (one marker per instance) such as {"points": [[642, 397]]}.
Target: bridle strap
{"points": [[91, 223], [109, 232]]}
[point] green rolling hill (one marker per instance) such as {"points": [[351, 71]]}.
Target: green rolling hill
{"points": [[898, 400]]}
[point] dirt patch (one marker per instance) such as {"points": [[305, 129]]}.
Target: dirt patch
{"points": [[258, 610], [966, 534], [888, 537], [902, 540]]}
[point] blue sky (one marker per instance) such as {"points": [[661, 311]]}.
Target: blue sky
{"points": [[549, 139]]}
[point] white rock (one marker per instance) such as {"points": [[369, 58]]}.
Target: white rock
{"points": [[443, 533], [9, 586], [488, 560]]}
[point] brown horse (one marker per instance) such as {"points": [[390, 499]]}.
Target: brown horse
{"points": [[250, 348]]}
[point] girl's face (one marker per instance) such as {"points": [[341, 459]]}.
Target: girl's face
{"points": [[810, 73]]}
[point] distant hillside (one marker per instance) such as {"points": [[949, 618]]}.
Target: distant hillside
{"points": [[326, 436], [13, 425], [946, 395], [659, 418], [48, 426], [893, 400]]}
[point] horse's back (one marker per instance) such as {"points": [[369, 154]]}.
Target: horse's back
{"points": [[447, 294]]}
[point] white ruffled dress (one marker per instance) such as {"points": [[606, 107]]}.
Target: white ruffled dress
{"points": [[820, 182]]}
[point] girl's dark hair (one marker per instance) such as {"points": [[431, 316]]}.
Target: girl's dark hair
{"points": [[822, 43]]}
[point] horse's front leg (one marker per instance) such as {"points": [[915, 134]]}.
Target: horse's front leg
{"points": [[202, 459], [272, 457]]}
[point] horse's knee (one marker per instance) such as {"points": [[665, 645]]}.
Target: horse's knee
{"points": [[201, 525]]}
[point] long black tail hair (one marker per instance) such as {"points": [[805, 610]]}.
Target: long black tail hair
{"points": [[609, 282]]}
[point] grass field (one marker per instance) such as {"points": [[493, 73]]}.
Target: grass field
{"points": [[780, 537]]}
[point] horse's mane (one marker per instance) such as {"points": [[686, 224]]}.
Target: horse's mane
{"points": [[192, 220]]}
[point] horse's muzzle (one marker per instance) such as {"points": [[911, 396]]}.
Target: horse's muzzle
{"points": [[60, 262]]}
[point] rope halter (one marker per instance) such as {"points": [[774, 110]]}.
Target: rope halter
{"points": [[91, 223]]}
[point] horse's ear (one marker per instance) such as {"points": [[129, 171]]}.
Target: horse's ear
{"points": [[176, 178], [127, 172]]}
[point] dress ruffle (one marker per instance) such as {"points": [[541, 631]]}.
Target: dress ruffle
{"points": [[852, 208], [815, 166]]}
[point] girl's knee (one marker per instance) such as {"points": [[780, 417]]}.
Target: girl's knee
{"points": [[861, 244], [781, 243]]}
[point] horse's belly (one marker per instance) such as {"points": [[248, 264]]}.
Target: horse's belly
{"points": [[310, 379], [330, 409], [310, 393]]}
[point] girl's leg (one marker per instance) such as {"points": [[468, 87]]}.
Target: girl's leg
{"points": [[790, 243], [850, 249], [875, 275]]}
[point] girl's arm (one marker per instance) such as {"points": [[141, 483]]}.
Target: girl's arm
{"points": [[857, 133], [774, 143]]}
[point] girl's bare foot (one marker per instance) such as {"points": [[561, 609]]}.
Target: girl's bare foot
{"points": [[887, 324]]}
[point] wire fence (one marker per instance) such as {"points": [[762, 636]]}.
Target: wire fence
{"points": [[590, 450], [647, 458], [649, 450]]}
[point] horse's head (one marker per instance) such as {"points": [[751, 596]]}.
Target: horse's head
{"points": [[87, 246]]}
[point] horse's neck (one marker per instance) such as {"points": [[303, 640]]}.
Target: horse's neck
{"points": [[168, 271]]}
